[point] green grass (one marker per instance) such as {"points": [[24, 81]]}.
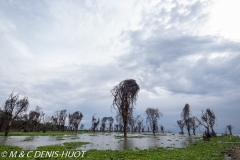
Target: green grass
{"points": [[29, 138], [200, 150], [73, 145], [129, 136], [59, 138]]}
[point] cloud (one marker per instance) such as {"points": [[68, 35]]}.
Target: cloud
{"points": [[70, 54]]}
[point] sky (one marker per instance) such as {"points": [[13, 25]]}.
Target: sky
{"points": [[70, 54]]}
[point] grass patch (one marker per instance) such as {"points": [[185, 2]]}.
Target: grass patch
{"points": [[73, 145], [59, 138], [29, 138], [129, 137]]}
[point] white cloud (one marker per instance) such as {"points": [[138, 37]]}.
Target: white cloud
{"points": [[223, 19]]}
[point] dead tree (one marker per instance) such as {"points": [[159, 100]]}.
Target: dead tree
{"points": [[181, 125], [54, 123], [74, 120], [110, 120], [229, 129], [118, 126], [194, 123], [77, 117], [132, 120], [153, 114], [82, 127], [140, 124], [186, 117], [62, 118], [46, 121], [162, 129], [125, 96], [3, 120], [58, 120], [103, 123], [95, 123], [70, 122], [12, 107], [208, 121], [34, 119]]}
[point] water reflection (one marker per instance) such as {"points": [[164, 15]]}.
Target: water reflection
{"points": [[99, 141]]}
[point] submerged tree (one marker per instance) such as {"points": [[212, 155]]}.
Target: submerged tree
{"points": [[208, 121], [132, 120], [81, 126], [74, 120], [194, 124], [162, 129], [110, 120], [181, 125], [103, 123], [229, 128], [153, 114], [186, 117], [12, 108], [140, 124], [119, 125], [95, 123], [125, 96]]}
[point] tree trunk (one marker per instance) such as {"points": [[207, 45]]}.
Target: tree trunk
{"points": [[125, 128], [8, 127], [188, 129]]}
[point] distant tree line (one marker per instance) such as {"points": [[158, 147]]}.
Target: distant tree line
{"points": [[14, 115]]}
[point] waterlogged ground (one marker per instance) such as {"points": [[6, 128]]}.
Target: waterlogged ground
{"points": [[103, 141]]}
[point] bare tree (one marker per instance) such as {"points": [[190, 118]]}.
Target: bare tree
{"points": [[74, 120], [70, 122], [181, 125], [58, 120], [186, 117], [194, 123], [54, 122], [111, 120], [229, 129], [162, 129], [140, 124], [62, 118], [12, 107], [95, 123], [208, 121], [119, 125], [77, 117], [103, 123], [132, 120], [46, 121], [3, 120], [19, 122], [125, 96], [35, 117], [82, 127], [153, 114]]}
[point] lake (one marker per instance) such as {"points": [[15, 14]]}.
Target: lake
{"points": [[104, 141]]}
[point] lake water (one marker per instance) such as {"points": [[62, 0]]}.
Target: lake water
{"points": [[100, 141]]}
